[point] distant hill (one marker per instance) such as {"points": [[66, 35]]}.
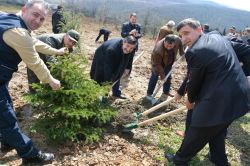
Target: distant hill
{"points": [[216, 15], [158, 12]]}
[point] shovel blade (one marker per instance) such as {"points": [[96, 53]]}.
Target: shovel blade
{"points": [[137, 115], [152, 100], [130, 126]]}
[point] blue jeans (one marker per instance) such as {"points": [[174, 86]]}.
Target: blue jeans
{"points": [[154, 78], [10, 132], [116, 89]]}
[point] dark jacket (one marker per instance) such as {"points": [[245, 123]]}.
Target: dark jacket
{"points": [[54, 40], [58, 21], [246, 39], [9, 58], [243, 54], [159, 57], [216, 82], [127, 27], [104, 31], [109, 62], [242, 51], [183, 88]]}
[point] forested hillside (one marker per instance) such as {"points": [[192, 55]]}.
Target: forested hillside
{"points": [[159, 11], [153, 14]]}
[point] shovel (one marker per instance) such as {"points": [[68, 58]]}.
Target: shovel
{"points": [[151, 98], [145, 113], [131, 126]]}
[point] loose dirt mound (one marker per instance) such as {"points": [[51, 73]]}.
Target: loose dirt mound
{"points": [[127, 111]]}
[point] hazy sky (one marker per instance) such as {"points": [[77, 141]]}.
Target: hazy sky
{"points": [[239, 4]]}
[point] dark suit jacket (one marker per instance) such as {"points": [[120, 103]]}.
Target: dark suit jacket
{"points": [[109, 61], [127, 27], [243, 53], [104, 31], [216, 82]]}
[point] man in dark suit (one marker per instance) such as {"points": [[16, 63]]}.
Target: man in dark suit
{"points": [[131, 27], [218, 92], [111, 60], [242, 51]]}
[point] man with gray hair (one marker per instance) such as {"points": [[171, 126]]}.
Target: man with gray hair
{"points": [[16, 45], [165, 30]]}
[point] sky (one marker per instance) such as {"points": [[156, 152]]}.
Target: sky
{"points": [[238, 4]]}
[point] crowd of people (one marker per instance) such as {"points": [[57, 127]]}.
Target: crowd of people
{"points": [[217, 83]]}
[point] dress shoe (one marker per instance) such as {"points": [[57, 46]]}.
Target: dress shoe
{"points": [[41, 157], [169, 157], [119, 96], [5, 148]]}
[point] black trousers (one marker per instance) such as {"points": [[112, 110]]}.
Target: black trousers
{"points": [[188, 120], [105, 36], [195, 140]]}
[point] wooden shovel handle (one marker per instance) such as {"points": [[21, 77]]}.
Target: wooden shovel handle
{"points": [[166, 77], [162, 116], [157, 106], [137, 57]]}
